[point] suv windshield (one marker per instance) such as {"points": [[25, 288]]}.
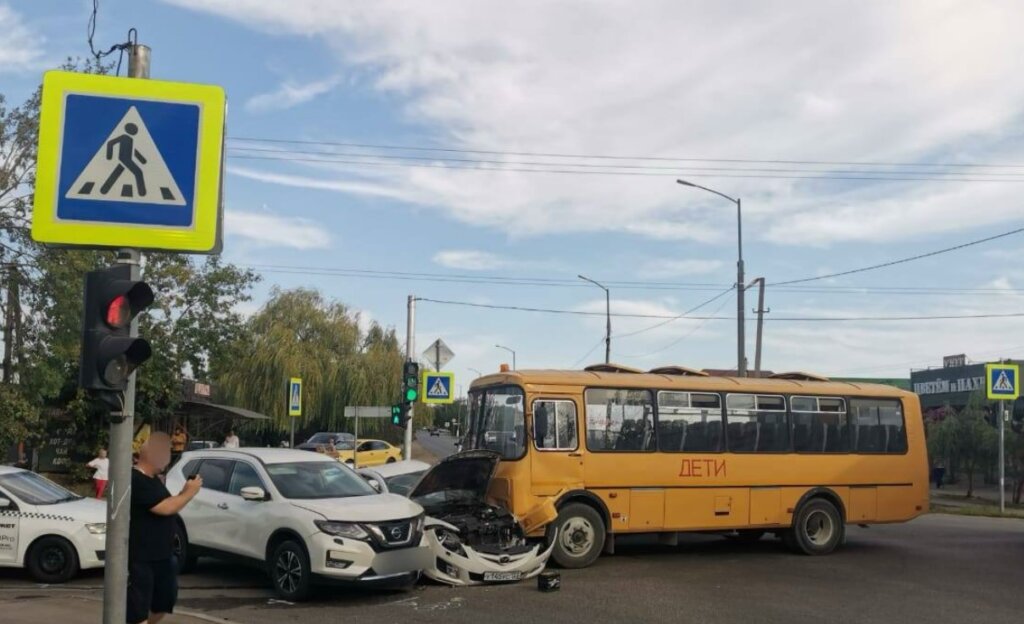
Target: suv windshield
{"points": [[497, 422], [324, 479], [35, 490]]}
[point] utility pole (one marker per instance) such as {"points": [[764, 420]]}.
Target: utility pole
{"points": [[741, 350], [122, 426], [410, 356], [608, 318], [760, 311]]}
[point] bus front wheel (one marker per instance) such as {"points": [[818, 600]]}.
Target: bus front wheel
{"points": [[817, 528], [579, 535]]}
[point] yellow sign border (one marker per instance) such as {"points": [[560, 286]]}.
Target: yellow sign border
{"points": [[451, 388], [988, 382], [203, 236], [291, 382]]}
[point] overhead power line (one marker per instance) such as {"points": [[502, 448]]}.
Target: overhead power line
{"points": [[901, 260], [540, 281], [558, 169], [693, 330], [535, 154], [773, 319], [676, 318]]}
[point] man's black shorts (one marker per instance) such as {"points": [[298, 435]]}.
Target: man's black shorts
{"points": [[152, 588]]}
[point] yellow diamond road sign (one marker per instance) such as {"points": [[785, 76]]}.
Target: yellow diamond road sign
{"points": [[125, 162], [1002, 382]]}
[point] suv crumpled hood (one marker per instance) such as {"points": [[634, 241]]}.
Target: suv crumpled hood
{"points": [[465, 475]]}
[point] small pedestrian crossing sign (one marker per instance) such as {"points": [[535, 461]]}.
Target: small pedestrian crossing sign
{"points": [[295, 396], [125, 162], [1002, 381], [438, 387]]}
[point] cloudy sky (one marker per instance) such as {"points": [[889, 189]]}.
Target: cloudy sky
{"points": [[509, 112]]}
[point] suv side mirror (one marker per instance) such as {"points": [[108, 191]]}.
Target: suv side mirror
{"points": [[253, 493], [375, 484], [4, 503]]}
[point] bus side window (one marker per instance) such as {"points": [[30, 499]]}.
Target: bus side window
{"points": [[878, 426], [757, 423], [554, 425], [620, 420]]}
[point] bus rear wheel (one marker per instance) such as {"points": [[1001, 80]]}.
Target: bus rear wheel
{"points": [[817, 528], [578, 534]]}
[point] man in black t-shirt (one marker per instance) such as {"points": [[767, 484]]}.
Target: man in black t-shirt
{"points": [[152, 573]]}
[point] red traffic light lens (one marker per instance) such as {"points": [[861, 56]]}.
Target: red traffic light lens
{"points": [[119, 312]]}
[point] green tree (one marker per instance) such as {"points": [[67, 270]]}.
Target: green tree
{"points": [[977, 440], [298, 333], [19, 417]]}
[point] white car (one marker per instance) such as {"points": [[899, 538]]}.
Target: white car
{"points": [[473, 542], [48, 529], [305, 517]]}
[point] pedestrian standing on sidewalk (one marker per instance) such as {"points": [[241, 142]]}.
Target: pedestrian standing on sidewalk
{"points": [[940, 474], [152, 570], [101, 465]]}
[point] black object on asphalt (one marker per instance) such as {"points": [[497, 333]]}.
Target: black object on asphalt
{"points": [[549, 581]]}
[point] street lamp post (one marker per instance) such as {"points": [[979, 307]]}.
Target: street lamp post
{"points": [[741, 356], [608, 318], [510, 351]]}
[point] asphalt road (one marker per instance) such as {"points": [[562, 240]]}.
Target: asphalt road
{"points": [[939, 568], [440, 446]]}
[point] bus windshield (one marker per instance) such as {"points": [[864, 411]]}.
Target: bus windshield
{"points": [[497, 421]]}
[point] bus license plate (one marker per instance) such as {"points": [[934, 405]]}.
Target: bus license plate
{"points": [[502, 577]]}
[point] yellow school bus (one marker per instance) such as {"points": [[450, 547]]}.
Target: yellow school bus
{"points": [[588, 455]]}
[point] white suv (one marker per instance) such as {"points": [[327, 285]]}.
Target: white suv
{"points": [[305, 516]]}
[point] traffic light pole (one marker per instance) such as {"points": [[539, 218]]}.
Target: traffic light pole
{"points": [[410, 356], [122, 427]]}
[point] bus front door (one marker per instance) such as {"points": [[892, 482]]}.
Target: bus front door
{"points": [[556, 457]]}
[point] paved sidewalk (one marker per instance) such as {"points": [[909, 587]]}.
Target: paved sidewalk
{"points": [[44, 604]]}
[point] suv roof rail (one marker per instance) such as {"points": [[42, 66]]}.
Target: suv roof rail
{"points": [[799, 376], [611, 368], [678, 370]]}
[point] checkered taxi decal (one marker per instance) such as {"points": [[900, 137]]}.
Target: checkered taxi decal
{"points": [[35, 516]]}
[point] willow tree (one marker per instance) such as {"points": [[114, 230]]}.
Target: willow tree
{"points": [[298, 333]]}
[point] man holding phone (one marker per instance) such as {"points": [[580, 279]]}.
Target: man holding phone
{"points": [[152, 571]]}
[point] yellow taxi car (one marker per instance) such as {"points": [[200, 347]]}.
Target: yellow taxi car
{"points": [[369, 453]]}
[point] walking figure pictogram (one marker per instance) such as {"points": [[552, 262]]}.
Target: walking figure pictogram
{"points": [[126, 155]]}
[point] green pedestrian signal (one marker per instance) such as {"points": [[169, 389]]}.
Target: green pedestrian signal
{"points": [[411, 395]]}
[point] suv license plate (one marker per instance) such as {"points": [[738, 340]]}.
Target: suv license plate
{"points": [[502, 577]]}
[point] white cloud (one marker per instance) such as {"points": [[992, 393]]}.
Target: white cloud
{"points": [[668, 267], [274, 231], [20, 45], [289, 94], [352, 187], [839, 81], [470, 260]]}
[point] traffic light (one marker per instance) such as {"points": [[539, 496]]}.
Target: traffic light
{"points": [[411, 382], [109, 353], [399, 415]]}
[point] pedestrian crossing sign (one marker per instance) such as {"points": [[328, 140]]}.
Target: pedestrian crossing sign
{"points": [[1002, 381], [437, 387], [295, 396], [126, 162]]}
